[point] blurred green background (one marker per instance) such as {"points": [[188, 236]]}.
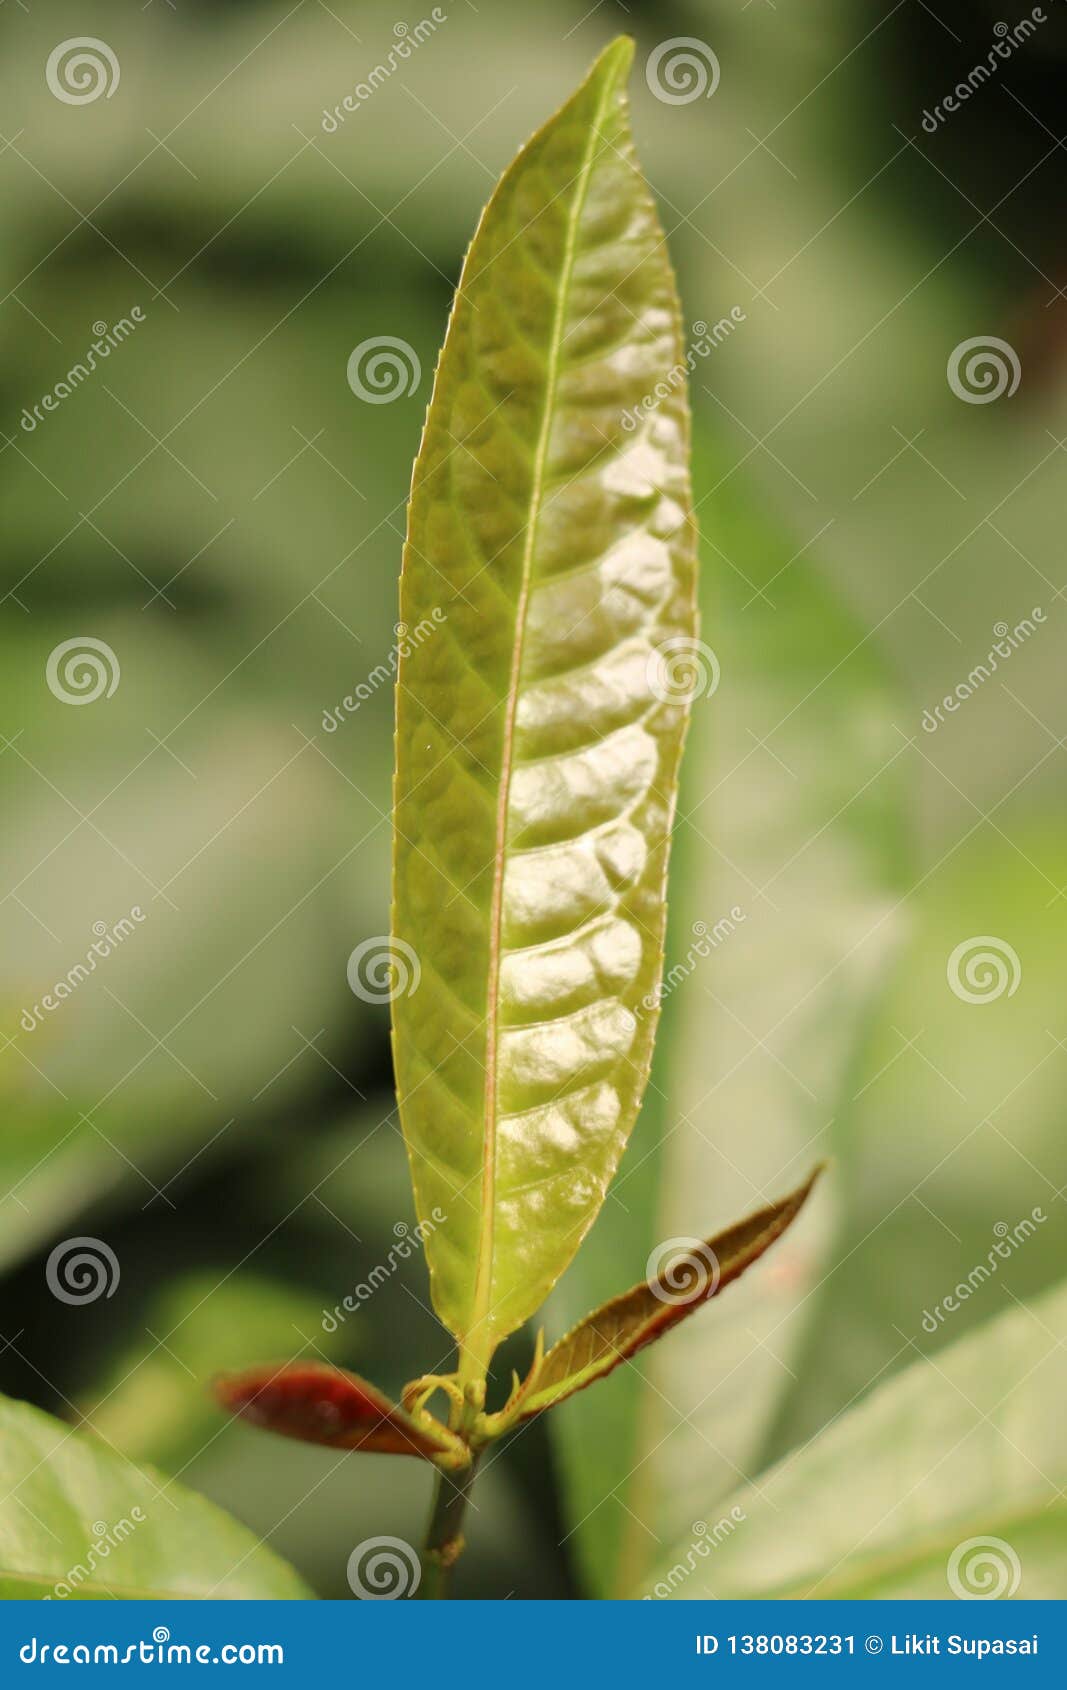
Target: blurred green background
{"points": [[218, 506]]}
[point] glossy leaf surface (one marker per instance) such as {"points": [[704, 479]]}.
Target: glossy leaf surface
{"points": [[550, 557], [319, 1404], [954, 1474], [679, 1283], [78, 1520]]}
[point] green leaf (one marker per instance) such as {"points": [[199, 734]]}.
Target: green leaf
{"points": [[995, 1063], [319, 1404], [79, 1520], [550, 557], [763, 1022], [955, 1474], [679, 1282]]}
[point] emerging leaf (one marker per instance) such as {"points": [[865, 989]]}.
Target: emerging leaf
{"points": [[549, 571], [683, 1275], [320, 1404]]}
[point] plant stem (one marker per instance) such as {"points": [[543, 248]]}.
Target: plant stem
{"points": [[444, 1539]]}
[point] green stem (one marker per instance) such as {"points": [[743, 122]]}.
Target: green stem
{"points": [[444, 1539]]}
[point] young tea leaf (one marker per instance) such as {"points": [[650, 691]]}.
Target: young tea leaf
{"points": [[549, 564], [320, 1404], [678, 1284], [77, 1520]]}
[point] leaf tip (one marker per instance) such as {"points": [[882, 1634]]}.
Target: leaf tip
{"points": [[613, 64], [812, 1181]]}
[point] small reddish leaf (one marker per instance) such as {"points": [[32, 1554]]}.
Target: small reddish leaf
{"points": [[679, 1282], [320, 1404]]}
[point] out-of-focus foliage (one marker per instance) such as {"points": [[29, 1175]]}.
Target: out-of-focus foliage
{"points": [[932, 1464], [155, 1404], [219, 507], [88, 1523]]}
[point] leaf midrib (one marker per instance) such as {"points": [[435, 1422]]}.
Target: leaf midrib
{"points": [[484, 1270]]}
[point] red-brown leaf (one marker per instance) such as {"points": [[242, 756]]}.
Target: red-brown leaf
{"points": [[321, 1404]]}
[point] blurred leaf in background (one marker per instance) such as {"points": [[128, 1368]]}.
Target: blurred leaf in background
{"points": [[87, 1523], [218, 506], [935, 1465], [155, 1404]]}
